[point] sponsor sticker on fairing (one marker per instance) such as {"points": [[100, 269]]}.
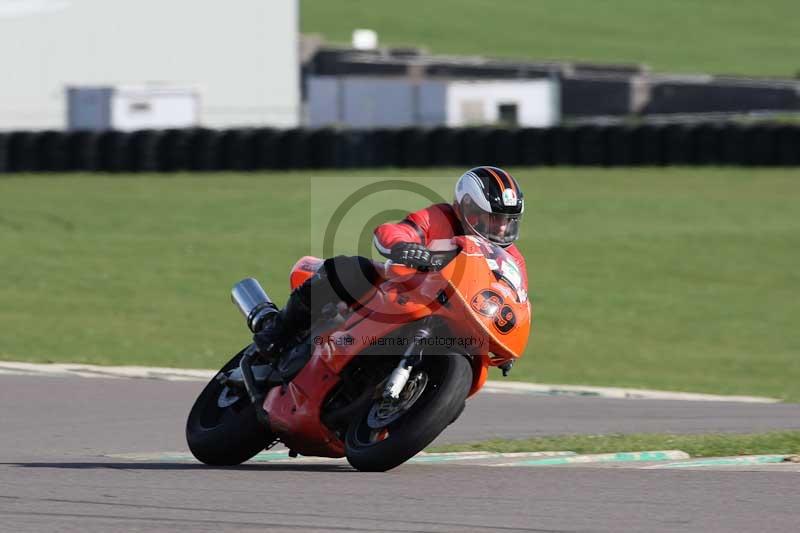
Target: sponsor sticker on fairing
{"points": [[511, 272]]}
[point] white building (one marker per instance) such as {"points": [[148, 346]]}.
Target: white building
{"points": [[528, 103], [238, 58], [397, 102]]}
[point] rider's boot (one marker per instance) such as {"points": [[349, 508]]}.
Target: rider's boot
{"points": [[284, 334], [288, 325]]}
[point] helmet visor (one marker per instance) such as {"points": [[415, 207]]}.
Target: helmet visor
{"points": [[499, 228]]}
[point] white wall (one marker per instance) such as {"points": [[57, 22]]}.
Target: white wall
{"points": [[537, 102], [240, 55]]}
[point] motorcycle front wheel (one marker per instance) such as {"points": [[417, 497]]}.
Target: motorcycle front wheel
{"points": [[387, 434], [222, 428]]}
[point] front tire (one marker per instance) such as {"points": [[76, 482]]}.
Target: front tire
{"points": [[224, 436], [448, 380]]}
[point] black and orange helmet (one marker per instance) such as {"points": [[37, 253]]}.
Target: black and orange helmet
{"points": [[489, 203]]}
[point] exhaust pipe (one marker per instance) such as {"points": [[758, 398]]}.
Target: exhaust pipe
{"points": [[253, 302]]}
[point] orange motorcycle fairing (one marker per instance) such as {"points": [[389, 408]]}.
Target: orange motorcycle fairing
{"points": [[303, 269], [476, 294], [295, 410]]}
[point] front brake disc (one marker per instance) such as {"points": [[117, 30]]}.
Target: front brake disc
{"points": [[385, 411]]}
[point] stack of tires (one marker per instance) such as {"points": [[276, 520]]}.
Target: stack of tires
{"points": [[255, 149]]}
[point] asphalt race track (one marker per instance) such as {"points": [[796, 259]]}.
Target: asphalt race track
{"points": [[57, 470]]}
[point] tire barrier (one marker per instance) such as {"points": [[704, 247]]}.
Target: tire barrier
{"points": [[706, 142], [173, 152], [236, 150], [676, 145], [474, 147], [534, 146], [385, 148], [760, 146], [414, 148], [252, 149], [265, 148], [143, 155], [22, 156], [618, 146], [53, 153], [788, 146], [326, 151], [501, 146], [445, 147], [3, 153], [732, 145], [563, 145], [113, 149], [293, 150], [591, 146], [83, 148]]}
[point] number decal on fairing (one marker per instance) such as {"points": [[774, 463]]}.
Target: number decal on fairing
{"points": [[505, 320], [487, 302]]}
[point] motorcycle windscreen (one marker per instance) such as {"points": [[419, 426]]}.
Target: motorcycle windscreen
{"points": [[505, 269]]}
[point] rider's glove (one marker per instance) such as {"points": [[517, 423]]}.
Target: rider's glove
{"points": [[411, 254]]}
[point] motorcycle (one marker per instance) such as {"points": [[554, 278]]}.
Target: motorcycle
{"points": [[377, 382]]}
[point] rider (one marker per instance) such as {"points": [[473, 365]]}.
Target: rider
{"points": [[488, 202]]}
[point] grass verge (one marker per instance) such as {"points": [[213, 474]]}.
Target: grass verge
{"points": [[701, 445], [676, 279], [715, 36]]}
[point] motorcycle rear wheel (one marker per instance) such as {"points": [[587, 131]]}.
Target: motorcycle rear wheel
{"points": [[224, 436], [449, 378]]}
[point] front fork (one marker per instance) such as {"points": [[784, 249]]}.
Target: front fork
{"points": [[411, 357], [254, 392]]}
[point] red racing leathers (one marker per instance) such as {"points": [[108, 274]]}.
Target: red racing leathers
{"points": [[351, 279], [438, 221]]}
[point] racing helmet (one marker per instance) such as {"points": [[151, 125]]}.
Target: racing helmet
{"points": [[489, 203]]}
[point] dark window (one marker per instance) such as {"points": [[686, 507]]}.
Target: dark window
{"points": [[507, 114]]}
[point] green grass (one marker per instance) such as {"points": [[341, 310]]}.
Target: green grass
{"points": [[704, 445], [713, 36], [680, 279]]}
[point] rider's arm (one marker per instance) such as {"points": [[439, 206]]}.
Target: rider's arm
{"points": [[413, 229]]}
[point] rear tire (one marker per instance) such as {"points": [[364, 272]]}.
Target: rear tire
{"points": [[224, 436], [450, 379]]}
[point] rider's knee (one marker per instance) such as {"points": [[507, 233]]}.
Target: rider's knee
{"points": [[350, 276]]}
